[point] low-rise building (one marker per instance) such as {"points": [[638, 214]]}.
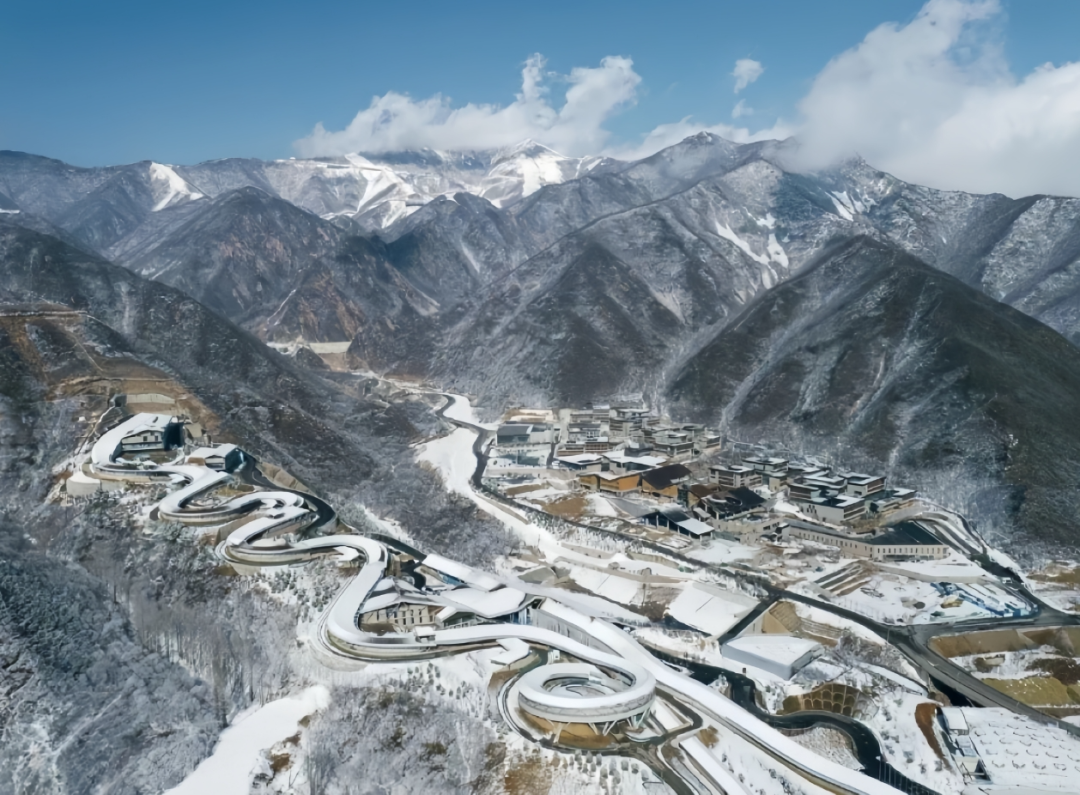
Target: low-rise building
{"points": [[672, 442], [893, 500], [734, 476], [798, 470], [732, 504], [780, 655], [157, 432], [222, 457], [624, 422], [663, 482], [581, 462], [611, 482], [708, 441], [690, 494], [694, 528], [633, 459], [864, 485], [840, 509], [767, 465], [905, 541], [517, 433]]}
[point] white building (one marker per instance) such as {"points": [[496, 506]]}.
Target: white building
{"points": [[779, 655]]}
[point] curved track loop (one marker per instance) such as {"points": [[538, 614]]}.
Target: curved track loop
{"points": [[621, 659]]}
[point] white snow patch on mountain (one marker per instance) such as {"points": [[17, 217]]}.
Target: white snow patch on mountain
{"points": [[843, 204], [725, 231], [169, 188], [776, 251]]}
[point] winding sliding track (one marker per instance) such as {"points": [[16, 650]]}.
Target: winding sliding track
{"points": [[622, 689]]}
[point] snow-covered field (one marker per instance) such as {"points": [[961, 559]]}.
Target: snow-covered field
{"points": [[453, 458], [831, 744], [720, 551], [462, 411], [239, 752]]}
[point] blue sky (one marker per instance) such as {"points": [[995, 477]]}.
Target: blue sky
{"points": [[113, 82]]}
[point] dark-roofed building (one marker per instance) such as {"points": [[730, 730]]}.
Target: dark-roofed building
{"points": [[905, 541], [690, 494], [663, 482], [669, 516], [733, 503], [512, 434], [516, 433]]}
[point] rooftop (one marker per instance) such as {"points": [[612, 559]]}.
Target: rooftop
{"points": [[784, 649], [695, 527], [906, 534], [663, 477]]}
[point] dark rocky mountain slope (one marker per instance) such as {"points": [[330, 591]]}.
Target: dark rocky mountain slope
{"points": [[873, 357], [122, 652]]}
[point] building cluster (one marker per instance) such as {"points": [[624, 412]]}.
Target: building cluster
{"points": [[603, 428], [836, 498]]}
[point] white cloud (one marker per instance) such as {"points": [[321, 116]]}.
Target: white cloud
{"points": [[934, 102], [746, 71], [667, 135], [741, 109], [396, 121]]}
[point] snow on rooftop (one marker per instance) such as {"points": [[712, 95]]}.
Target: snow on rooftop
{"points": [[515, 650], [105, 447], [488, 604], [786, 649], [1023, 755], [459, 571], [695, 527], [709, 609], [580, 458]]}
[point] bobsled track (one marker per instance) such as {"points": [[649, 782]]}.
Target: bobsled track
{"points": [[616, 680]]}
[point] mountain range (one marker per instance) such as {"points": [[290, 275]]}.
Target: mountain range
{"points": [[930, 334]]}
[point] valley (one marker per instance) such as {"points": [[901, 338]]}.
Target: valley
{"points": [[507, 471]]}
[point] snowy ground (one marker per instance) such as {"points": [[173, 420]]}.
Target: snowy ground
{"points": [[755, 771], [894, 598], [831, 744], [953, 568], [719, 551], [608, 584], [452, 456], [681, 643], [463, 411], [1057, 584], [1009, 664], [239, 752], [905, 746]]}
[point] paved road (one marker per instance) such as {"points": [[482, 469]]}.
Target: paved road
{"points": [[913, 641]]}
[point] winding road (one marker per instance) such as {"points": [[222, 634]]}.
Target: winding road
{"points": [[629, 673]]}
